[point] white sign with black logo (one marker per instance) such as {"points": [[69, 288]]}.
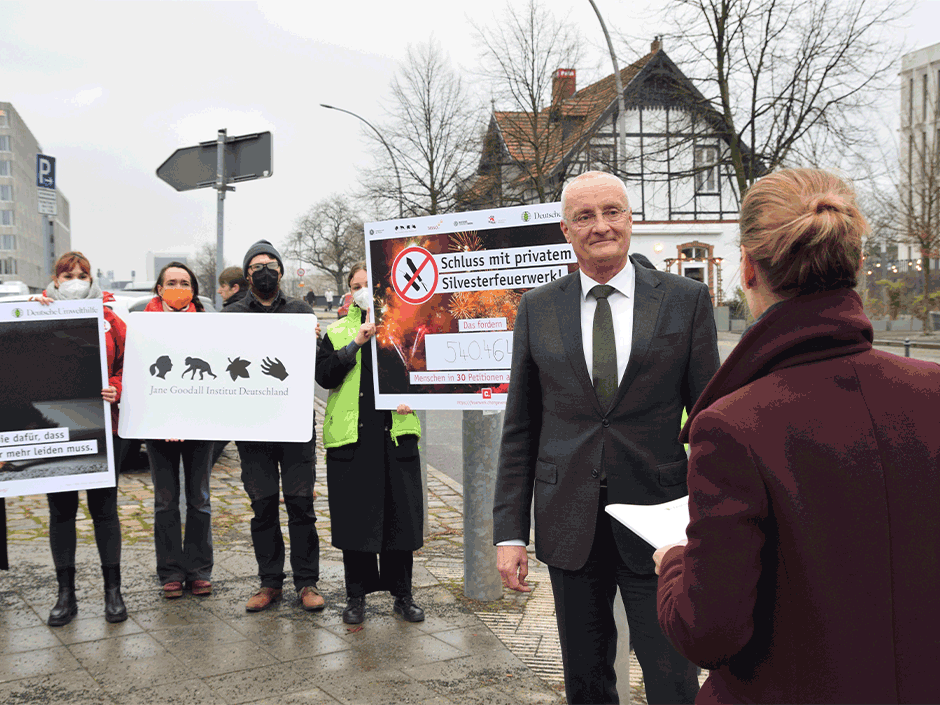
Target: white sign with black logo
{"points": [[219, 377]]}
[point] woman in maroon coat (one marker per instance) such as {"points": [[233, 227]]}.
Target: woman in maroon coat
{"points": [[814, 481]]}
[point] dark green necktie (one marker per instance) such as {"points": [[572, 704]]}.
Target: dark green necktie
{"points": [[605, 349]]}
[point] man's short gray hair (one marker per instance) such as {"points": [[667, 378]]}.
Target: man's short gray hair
{"points": [[592, 175]]}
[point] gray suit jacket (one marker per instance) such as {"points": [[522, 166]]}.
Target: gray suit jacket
{"points": [[555, 432]]}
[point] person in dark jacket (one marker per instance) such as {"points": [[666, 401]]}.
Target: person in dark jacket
{"points": [[264, 268], [372, 466], [73, 281], [808, 575], [233, 286]]}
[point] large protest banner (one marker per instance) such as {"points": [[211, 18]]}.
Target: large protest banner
{"points": [[219, 377], [55, 429], [446, 290]]}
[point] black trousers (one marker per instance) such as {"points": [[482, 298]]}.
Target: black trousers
{"points": [[369, 572], [102, 505], [584, 608], [267, 470]]}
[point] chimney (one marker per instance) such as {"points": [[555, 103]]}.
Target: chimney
{"points": [[656, 44], [563, 84]]}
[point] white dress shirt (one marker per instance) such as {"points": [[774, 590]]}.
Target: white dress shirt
{"points": [[621, 309]]}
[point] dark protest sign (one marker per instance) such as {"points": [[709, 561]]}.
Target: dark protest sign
{"points": [[55, 429], [446, 290]]}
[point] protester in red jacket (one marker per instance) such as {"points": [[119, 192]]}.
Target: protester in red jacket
{"points": [[73, 281], [814, 480]]}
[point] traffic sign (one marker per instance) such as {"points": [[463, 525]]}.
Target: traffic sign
{"points": [[414, 275], [47, 201], [247, 157], [45, 171], [300, 272]]}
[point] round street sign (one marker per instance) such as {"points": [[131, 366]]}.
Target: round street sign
{"points": [[414, 275], [300, 272]]}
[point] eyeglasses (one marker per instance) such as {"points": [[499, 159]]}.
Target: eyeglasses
{"points": [[610, 215], [273, 266]]}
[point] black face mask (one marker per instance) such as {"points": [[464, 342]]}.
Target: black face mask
{"points": [[265, 282]]}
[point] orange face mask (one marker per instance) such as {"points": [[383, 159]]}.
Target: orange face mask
{"points": [[177, 298]]}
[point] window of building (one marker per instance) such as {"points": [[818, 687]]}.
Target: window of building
{"points": [[4, 143], [7, 265], [6, 167], [7, 242], [6, 217], [910, 101], [6, 192], [924, 111], [706, 171], [4, 119]]}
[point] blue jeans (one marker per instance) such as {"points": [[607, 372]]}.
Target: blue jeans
{"points": [[181, 558]]}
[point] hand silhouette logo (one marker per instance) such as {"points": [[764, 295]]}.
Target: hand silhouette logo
{"points": [[273, 369]]}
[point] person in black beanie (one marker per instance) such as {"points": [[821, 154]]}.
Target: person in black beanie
{"points": [[263, 268]]}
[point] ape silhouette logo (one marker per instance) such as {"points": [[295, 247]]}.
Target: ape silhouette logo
{"points": [[194, 365]]}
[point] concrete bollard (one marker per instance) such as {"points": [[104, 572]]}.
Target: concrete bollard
{"points": [[907, 347]]}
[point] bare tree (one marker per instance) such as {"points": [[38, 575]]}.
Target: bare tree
{"points": [[791, 80], [204, 267], [433, 132], [521, 52], [329, 237]]}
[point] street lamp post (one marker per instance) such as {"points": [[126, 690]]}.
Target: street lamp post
{"points": [[621, 109], [390, 153]]}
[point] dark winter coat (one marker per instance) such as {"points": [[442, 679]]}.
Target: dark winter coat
{"points": [[809, 575], [375, 492]]}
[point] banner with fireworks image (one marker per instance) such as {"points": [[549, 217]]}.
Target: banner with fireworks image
{"points": [[446, 289]]}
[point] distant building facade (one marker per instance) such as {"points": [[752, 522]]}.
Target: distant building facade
{"points": [[30, 243], [685, 203], [920, 150]]}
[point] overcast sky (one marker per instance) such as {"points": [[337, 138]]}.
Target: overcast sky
{"points": [[112, 89]]}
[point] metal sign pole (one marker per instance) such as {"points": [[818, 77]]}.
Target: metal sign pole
{"points": [[220, 187]]}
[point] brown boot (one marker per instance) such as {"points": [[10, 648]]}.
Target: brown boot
{"points": [[264, 598], [311, 599]]}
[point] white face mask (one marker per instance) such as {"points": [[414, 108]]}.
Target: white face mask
{"points": [[74, 288], [363, 298]]}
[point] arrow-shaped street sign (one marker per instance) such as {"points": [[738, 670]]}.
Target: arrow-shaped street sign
{"points": [[246, 157]]}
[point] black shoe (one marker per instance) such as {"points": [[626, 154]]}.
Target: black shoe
{"points": [[66, 606], [355, 611], [114, 609], [406, 607]]}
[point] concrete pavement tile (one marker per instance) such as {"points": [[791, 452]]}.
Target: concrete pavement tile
{"points": [[284, 640], [15, 641], [73, 687], [209, 632], [382, 644], [205, 660], [130, 663], [374, 688], [471, 640], [313, 696], [469, 672], [180, 612], [18, 616], [36, 663], [186, 691], [274, 681], [94, 628]]}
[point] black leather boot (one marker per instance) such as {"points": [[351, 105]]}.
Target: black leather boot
{"points": [[114, 609], [66, 606], [406, 607], [355, 611]]}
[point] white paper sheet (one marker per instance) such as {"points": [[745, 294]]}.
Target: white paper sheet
{"points": [[657, 524]]}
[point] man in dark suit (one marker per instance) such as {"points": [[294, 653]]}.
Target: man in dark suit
{"points": [[604, 362]]}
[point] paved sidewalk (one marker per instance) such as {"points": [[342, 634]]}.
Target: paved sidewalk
{"points": [[209, 650]]}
